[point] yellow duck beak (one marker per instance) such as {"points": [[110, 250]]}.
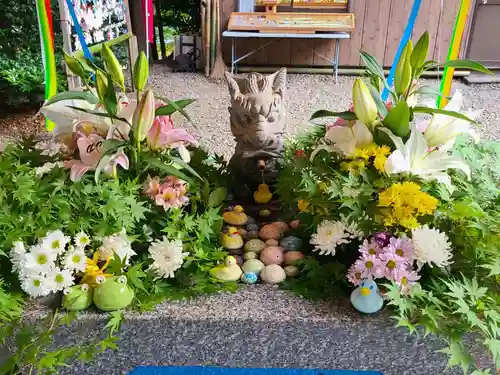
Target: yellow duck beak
{"points": [[365, 292]]}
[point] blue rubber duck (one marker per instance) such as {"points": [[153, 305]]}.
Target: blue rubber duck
{"points": [[366, 299]]}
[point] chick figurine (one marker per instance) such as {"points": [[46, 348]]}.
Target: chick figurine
{"points": [[232, 240], [366, 299], [263, 195], [229, 271], [236, 216]]}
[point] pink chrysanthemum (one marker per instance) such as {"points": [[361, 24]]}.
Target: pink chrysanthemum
{"points": [[391, 264], [370, 266], [402, 247], [354, 275], [370, 247], [406, 279]]}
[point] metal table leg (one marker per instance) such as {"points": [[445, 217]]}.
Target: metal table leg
{"points": [[337, 52]]}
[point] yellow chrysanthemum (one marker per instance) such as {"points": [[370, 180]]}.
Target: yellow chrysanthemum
{"points": [[303, 205], [355, 166], [403, 203]]}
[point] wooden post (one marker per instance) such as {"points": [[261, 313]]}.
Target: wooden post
{"points": [[74, 82], [133, 52]]}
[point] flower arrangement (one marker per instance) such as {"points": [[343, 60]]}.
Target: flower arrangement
{"points": [[417, 189]]}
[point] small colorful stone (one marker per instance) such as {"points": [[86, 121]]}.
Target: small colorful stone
{"points": [[239, 260], [255, 246], [249, 277], [254, 227], [292, 256], [251, 220], [252, 235], [283, 227], [269, 232], [291, 271], [265, 213], [295, 224], [272, 255], [243, 232], [272, 242], [272, 274], [291, 243], [253, 265], [249, 255]]}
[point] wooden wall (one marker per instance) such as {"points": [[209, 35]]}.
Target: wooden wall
{"points": [[379, 27]]}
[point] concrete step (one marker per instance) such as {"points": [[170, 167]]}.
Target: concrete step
{"points": [[260, 326]]}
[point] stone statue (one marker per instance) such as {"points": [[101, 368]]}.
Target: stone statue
{"points": [[257, 123]]}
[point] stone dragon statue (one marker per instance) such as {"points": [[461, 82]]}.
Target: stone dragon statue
{"points": [[257, 123]]}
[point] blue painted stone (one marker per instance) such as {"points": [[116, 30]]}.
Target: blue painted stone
{"points": [[251, 220], [249, 278], [291, 243]]}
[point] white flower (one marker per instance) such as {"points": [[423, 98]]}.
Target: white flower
{"points": [[354, 231], [431, 246], [346, 139], [329, 235], [18, 256], [37, 285], [414, 157], [47, 167], [39, 260], [75, 260], [167, 257], [443, 130], [49, 147], [61, 278], [118, 244], [81, 240], [350, 192], [55, 241]]}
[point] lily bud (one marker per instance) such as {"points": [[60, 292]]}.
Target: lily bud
{"points": [[365, 107], [101, 82], [113, 66], [144, 116], [74, 65], [420, 51], [402, 80], [141, 72]]}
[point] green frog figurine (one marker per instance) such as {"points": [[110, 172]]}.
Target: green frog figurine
{"points": [[112, 293], [77, 298]]}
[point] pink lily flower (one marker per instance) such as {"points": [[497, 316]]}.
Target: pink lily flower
{"points": [[89, 148], [163, 135]]}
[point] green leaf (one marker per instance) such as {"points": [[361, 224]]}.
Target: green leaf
{"points": [[467, 64], [102, 114], [170, 170], [114, 322], [186, 166], [217, 197], [428, 90], [73, 95], [110, 145], [428, 110], [346, 115], [100, 167], [110, 99], [135, 275], [420, 51], [373, 66], [398, 119], [381, 108], [174, 106], [457, 356]]}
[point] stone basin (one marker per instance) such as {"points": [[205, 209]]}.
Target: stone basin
{"points": [[259, 326]]}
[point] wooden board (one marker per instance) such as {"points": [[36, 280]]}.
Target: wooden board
{"points": [[291, 22], [398, 19], [349, 48], [327, 4], [375, 27]]}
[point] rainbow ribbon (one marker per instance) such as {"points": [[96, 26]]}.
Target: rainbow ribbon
{"points": [[404, 40], [48, 57], [456, 41]]}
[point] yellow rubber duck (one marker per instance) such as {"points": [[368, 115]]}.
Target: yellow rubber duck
{"points": [[236, 216], [263, 195], [232, 240], [229, 271]]}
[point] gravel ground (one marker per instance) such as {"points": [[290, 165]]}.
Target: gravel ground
{"points": [[305, 93]]}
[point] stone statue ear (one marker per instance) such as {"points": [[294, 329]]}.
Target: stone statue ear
{"points": [[279, 82], [234, 89]]}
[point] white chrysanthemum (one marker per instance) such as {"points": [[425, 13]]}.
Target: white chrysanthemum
{"points": [[329, 235], [118, 244], [354, 231], [167, 257], [18, 256], [38, 285], [47, 167], [431, 246], [39, 260], [61, 278], [55, 241], [81, 240], [75, 260]]}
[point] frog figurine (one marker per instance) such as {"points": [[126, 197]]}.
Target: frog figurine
{"points": [[77, 297], [112, 293]]}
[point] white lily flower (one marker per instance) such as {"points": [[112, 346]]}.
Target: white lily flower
{"points": [[345, 140], [443, 130], [415, 158]]}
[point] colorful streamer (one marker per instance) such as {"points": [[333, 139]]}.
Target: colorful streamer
{"points": [[48, 57], [79, 31], [456, 41], [406, 37]]}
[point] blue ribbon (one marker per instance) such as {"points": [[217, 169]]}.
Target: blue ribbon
{"points": [[79, 32], [406, 37]]}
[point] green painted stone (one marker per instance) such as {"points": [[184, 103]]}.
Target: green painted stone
{"points": [[77, 298], [113, 293], [255, 246], [253, 266], [249, 255]]}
